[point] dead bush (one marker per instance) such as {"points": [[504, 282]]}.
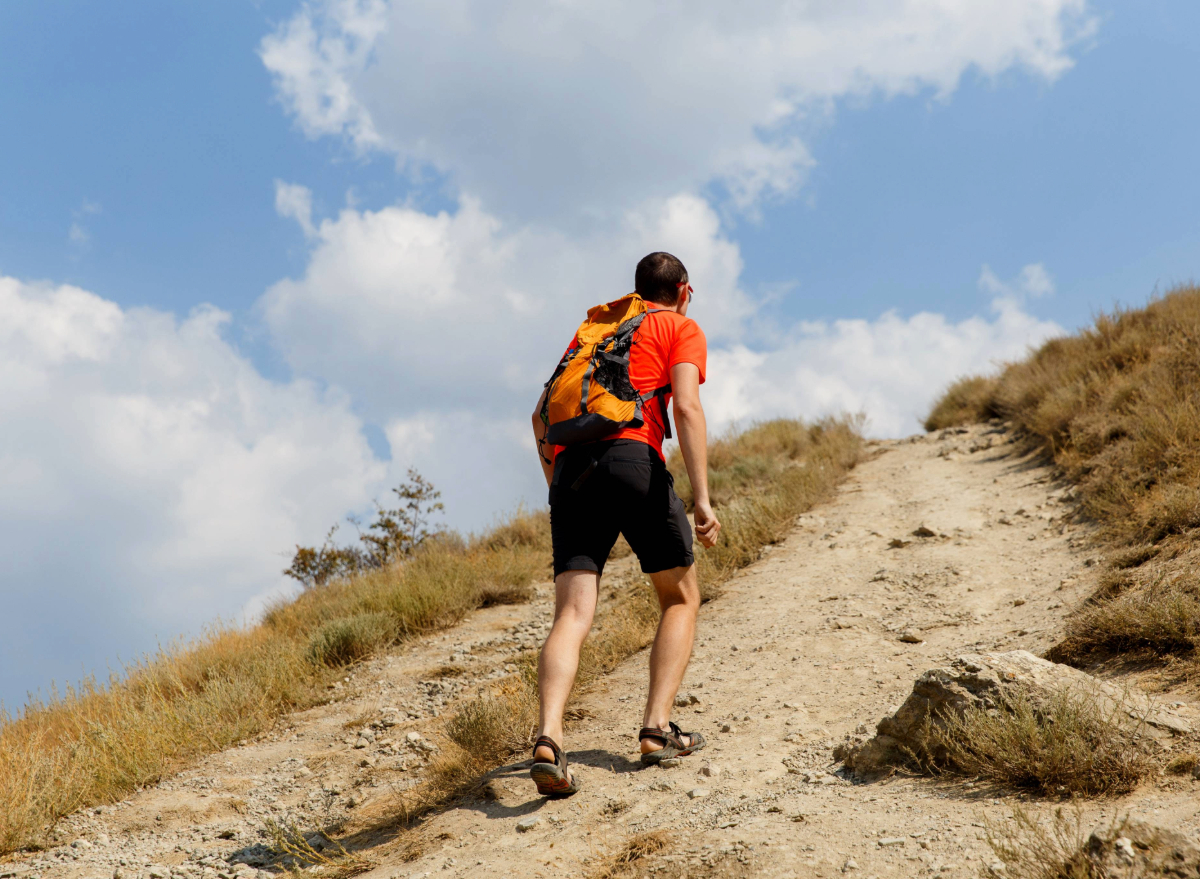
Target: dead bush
{"points": [[1071, 744], [1159, 618], [966, 401]]}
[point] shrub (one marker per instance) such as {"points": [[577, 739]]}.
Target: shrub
{"points": [[1073, 744], [966, 401], [349, 639]]}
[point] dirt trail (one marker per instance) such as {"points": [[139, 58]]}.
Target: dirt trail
{"points": [[801, 650]]}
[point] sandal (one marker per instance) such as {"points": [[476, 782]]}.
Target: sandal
{"points": [[552, 779], [672, 740]]}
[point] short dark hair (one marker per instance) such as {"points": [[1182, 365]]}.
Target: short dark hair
{"points": [[658, 277]]}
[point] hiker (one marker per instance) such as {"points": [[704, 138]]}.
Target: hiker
{"points": [[600, 425]]}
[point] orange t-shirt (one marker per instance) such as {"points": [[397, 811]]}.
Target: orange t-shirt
{"points": [[664, 339]]}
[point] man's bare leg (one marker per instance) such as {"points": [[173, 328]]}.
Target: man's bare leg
{"points": [[575, 594], [679, 597]]}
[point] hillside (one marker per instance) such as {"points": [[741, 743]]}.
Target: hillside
{"points": [[869, 669], [804, 647]]}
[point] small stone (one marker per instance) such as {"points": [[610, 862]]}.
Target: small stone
{"points": [[669, 762], [102, 839], [413, 737], [527, 824], [158, 872], [1124, 848], [924, 532], [728, 727], [81, 844], [683, 700], [662, 785], [850, 864], [910, 636], [888, 841], [1017, 602], [697, 792], [366, 762], [710, 770]]}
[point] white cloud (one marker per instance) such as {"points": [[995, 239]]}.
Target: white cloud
{"points": [[150, 478], [295, 203], [416, 312], [1033, 281], [548, 110], [890, 369]]}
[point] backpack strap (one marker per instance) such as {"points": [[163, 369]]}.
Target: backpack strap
{"points": [[661, 393]]}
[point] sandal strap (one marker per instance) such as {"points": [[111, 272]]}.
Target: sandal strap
{"points": [[553, 746], [653, 732]]}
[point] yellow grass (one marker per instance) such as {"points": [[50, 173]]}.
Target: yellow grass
{"points": [[1117, 407], [100, 742], [1070, 745]]}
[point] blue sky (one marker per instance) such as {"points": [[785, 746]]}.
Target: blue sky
{"points": [[205, 370], [164, 117]]}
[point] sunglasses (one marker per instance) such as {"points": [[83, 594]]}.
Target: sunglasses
{"points": [[685, 287]]}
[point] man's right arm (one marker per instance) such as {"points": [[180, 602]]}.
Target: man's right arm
{"points": [[545, 450], [693, 444]]}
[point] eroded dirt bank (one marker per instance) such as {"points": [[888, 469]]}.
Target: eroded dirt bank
{"points": [[803, 649]]}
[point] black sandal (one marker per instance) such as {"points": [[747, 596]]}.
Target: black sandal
{"points": [[552, 779], [672, 740]]}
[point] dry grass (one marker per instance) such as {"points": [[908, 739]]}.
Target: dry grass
{"points": [[966, 401], [1033, 849], [626, 862], [1071, 745], [1117, 408], [98, 743], [1058, 848]]}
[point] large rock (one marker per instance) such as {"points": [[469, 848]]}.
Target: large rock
{"points": [[982, 681]]}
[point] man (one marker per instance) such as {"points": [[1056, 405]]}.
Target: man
{"points": [[620, 484]]}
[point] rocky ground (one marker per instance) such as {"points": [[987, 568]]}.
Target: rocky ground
{"points": [[936, 547]]}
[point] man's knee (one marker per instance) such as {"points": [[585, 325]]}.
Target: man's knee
{"points": [[676, 587]]}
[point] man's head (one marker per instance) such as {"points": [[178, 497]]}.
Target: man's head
{"points": [[661, 278]]}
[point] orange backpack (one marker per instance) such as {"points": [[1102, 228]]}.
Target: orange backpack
{"points": [[590, 396]]}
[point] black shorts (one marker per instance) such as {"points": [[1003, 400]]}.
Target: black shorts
{"points": [[616, 487]]}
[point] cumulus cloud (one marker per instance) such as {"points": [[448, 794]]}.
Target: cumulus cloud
{"points": [[546, 110], [890, 369], [412, 311], [150, 478]]}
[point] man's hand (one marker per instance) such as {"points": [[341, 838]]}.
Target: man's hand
{"points": [[707, 525]]}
